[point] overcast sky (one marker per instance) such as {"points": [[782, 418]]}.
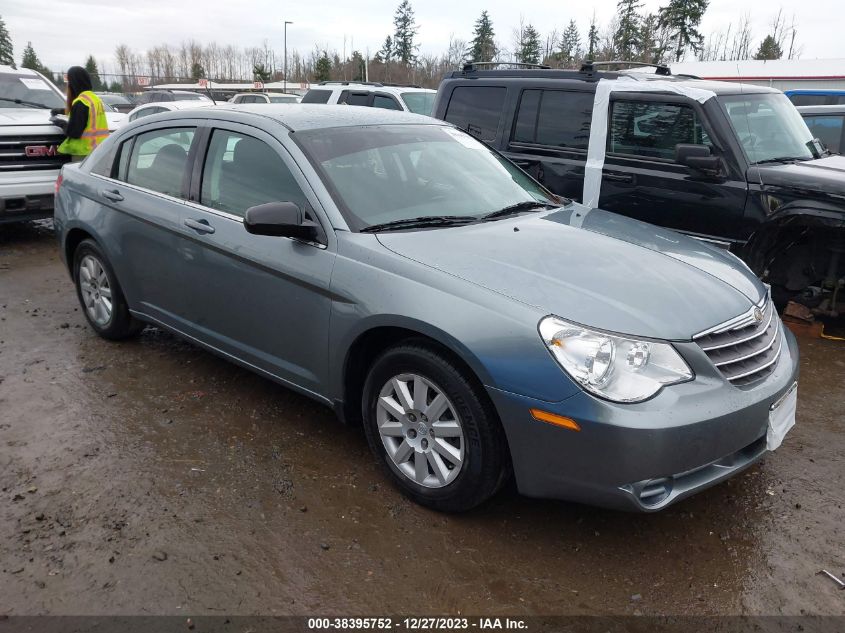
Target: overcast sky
{"points": [[65, 32]]}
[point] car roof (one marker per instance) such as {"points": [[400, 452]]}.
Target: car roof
{"points": [[368, 86], [549, 75], [822, 109], [17, 71], [299, 117]]}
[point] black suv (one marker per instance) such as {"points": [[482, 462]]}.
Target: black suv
{"points": [[740, 169]]}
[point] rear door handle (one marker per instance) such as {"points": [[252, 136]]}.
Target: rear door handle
{"points": [[615, 176], [112, 194], [200, 226]]}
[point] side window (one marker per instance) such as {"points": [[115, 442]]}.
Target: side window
{"points": [[525, 128], [105, 162], [828, 129], [354, 98], [805, 100], [653, 129], [158, 160], [241, 172], [388, 103], [317, 96], [477, 110], [564, 119]]}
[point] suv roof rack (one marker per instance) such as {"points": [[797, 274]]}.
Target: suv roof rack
{"points": [[351, 83], [470, 66], [590, 66]]}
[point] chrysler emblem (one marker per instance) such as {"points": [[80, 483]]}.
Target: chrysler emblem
{"points": [[758, 315]]}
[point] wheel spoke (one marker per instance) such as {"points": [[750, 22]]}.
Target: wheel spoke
{"points": [[391, 406], [447, 428], [420, 393], [105, 291], [437, 407], [392, 429], [403, 452], [401, 388], [447, 450], [420, 467], [106, 303], [99, 312], [441, 471], [85, 274]]}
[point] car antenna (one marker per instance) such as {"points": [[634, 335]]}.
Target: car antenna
{"points": [[210, 95]]}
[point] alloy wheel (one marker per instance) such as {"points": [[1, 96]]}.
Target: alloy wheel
{"points": [[421, 430], [96, 290]]}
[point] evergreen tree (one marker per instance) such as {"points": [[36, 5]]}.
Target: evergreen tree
{"points": [[627, 38], [30, 59], [116, 86], [387, 51], [197, 71], [529, 46], [681, 18], [769, 49], [570, 45], [7, 51], [482, 48], [260, 72], [593, 40], [357, 66], [323, 68], [403, 37], [652, 42], [91, 67]]}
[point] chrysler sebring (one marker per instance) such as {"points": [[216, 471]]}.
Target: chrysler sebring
{"points": [[397, 270]]}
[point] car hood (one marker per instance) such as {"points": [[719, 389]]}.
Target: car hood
{"points": [[594, 268], [823, 177], [31, 117]]}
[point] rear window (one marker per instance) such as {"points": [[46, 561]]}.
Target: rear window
{"points": [[159, 159], [419, 102], [554, 117], [477, 110], [317, 96], [807, 100]]}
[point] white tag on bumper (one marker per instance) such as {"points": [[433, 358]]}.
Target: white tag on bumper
{"points": [[782, 418]]}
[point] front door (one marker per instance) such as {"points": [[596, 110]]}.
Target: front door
{"points": [[264, 300], [642, 180]]}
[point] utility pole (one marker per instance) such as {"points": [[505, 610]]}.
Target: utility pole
{"points": [[285, 84]]}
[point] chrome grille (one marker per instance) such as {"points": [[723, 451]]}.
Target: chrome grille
{"points": [[14, 156], [744, 349]]}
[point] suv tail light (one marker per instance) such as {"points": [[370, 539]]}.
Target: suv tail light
{"points": [[58, 183]]}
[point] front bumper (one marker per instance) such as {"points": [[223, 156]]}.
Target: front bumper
{"points": [[27, 195], [645, 456]]}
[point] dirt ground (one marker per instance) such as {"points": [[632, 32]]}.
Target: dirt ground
{"points": [[150, 477]]}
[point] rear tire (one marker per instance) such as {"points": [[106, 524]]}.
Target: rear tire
{"points": [[433, 429], [100, 295]]}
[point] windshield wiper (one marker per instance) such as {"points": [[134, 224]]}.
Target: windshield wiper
{"points": [[31, 104], [781, 159], [513, 209], [420, 222]]}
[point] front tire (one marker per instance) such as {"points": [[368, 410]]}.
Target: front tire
{"points": [[100, 295], [433, 429]]}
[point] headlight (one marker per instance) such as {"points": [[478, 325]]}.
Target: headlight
{"points": [[613, 367]]}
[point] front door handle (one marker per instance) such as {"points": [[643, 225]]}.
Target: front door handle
{"points": [[111, 194], [200, 226], [615, 176]]}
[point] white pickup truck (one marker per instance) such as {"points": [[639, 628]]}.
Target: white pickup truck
{"points": [[29, 142]]}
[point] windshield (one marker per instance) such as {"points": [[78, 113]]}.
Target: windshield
{"points": [[769, 127], [380, 174], [419, 102], [28, 89], [283, 99]]}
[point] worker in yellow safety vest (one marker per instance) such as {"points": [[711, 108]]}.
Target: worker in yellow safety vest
{"points": [[87, 126]]}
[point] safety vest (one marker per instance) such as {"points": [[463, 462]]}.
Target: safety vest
{"points": [[96, 130]]}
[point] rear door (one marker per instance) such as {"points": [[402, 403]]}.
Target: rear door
{"points": [[146, 194], [355, 97], [550, 135], [263, 300], [642, 180]]}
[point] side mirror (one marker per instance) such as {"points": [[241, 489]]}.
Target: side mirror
{"points": [[280, 219], [698, 157]]}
